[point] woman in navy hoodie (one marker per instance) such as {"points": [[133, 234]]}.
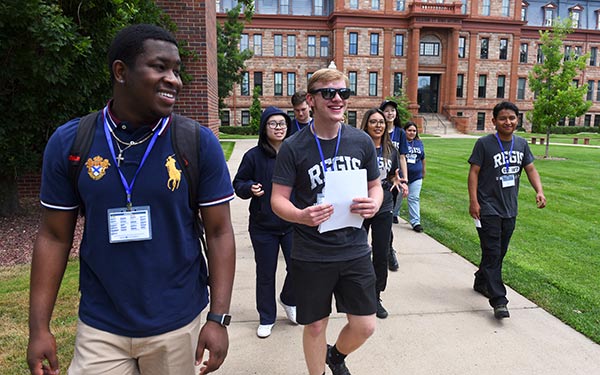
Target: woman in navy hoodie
{"points": [[267, 231]]}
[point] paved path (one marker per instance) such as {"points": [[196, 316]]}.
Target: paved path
{"points": [[437, 323]]}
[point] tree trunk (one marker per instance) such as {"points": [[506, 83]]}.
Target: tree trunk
{"points": [[9, 195], [547, 142]]}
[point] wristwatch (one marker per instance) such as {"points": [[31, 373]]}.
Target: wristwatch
{"points": [[223, 320]]}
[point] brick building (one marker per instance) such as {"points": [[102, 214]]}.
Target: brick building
{"points": [[454, 59]]}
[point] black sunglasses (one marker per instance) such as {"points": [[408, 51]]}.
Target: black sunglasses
{"points": [[329, 93]]}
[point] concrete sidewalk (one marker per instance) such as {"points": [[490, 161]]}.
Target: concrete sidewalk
{"points": [[437, 323]]}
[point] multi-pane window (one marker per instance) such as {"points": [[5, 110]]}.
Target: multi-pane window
{"points": [[400, 4], [375, 4], [372, 83], [480, 120], [500, 87], [587, 121], [540, 55], [397, 84], [485, 10], [567, 53], [352, 118], [318, 7], [311, 49], [225, 120], [353, 44], [308, 75], [284, 6], [548, 15], [593, 55], [597, 28], [521, 88], [577, 51], [399, 45], [324, 46], [483, 50], [597, 120], [244, 40], [245, 118], [245, 85], [352, 81], [572, 121], [374, 44], [523, 53], [598, 93], [463, 7], [291, 45], [461, 47], [482, 86], [575, 16], [523, 11], [278, 84], [590, 90], [353, 4], [291, 83], [506, 8], [258, 82], [257, 44], [277, 45], [460, 84], [429, 49], [503, 49]]}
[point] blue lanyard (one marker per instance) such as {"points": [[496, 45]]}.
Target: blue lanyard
{"points": [[129, 187], [337, 146], [506, 159], [298, 124]]}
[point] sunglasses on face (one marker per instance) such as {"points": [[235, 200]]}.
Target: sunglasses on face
{"points": [[329, 93]]}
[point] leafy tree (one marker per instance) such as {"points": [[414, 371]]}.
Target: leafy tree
{"points": [[552, 81], [54, 68], [255, 110], [230, 60]]}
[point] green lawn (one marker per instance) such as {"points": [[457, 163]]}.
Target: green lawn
{"points": [[554, 255]]}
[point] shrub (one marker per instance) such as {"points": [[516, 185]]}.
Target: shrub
{"points": [[237, 130]]}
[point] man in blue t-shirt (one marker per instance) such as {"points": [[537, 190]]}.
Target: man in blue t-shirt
{"points": [[143, 278], [497, 162]]}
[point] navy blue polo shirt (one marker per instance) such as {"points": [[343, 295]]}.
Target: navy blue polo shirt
{"points": [[139, 288]]}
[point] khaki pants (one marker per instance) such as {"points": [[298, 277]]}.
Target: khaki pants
{"points": [[99, 352]]}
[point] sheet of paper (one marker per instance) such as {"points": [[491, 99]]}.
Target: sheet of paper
{"points": [[339, 190]]}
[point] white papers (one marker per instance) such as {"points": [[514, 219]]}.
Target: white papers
{"points": [[339, 190]]}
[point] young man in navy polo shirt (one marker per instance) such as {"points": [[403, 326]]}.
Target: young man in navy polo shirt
{"points": [[143, 279]]}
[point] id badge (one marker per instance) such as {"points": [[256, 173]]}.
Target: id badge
{"points": [[508, 180], [129, 225], [320, 198], [411, 159]]}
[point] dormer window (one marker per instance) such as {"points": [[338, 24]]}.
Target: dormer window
{"points": [[524, 6], [575, 15], [550, 10]]}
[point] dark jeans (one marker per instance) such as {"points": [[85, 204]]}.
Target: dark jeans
{"points": [[266, 252], [494, 236], [381, 224]]}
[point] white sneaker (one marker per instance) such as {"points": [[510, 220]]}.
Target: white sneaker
{"points": [[264, 330], [290, 312]]}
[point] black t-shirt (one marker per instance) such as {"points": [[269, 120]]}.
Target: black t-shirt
{"points": [[299, 166], [494, 199]]}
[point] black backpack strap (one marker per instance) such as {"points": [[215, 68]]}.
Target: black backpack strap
{"points": [[185, 138], [81, 148]]}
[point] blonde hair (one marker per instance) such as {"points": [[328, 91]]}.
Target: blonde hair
{"points": [[326, 75]]}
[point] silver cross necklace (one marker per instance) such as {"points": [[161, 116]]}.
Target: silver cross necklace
{"points": [[127, 145]]}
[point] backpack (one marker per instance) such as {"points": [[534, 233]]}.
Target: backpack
{"points": [[185, 134]]}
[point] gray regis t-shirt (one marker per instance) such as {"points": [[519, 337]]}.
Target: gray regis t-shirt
{"points": [[494, 199], [299, 166]]}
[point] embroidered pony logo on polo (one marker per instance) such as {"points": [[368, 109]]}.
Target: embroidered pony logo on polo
{"points": [[174, 173], [97, 167]]}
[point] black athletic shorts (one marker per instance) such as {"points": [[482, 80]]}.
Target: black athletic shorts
{"points": [[352, 282]]}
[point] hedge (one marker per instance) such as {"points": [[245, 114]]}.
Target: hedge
{"points": [[573, 129], [237, 130]]}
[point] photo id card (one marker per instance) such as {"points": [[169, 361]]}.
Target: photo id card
{"points": [[129, 225], [508, 180]]}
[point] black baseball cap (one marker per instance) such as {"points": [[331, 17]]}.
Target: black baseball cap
{"points": [[388, 102]]}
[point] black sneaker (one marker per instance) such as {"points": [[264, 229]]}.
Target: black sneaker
{"points": [[395, 220], [418, 228], [501, 312], [336, 368], [381, 311], [392, 260]]}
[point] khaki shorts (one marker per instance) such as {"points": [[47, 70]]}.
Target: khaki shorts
{"points": [[99, 352]]}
